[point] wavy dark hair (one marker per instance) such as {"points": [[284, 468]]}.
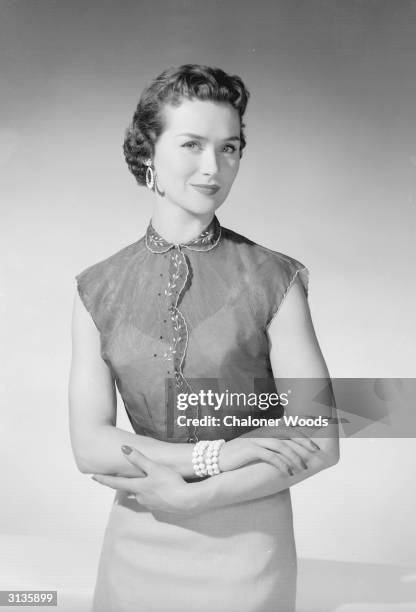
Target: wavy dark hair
{"points": [[190, 81]]}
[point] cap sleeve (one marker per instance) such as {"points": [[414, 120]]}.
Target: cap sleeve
{"points": [[93, 288], [290, 270]]}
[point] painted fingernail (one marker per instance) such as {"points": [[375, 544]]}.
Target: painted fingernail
{"points": [[126, 450]]}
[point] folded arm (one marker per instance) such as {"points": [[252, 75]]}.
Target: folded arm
{"points": [[252, 481], [96, 440]]}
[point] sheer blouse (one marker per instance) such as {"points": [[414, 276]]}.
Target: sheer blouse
{"points": [[181, 318]]}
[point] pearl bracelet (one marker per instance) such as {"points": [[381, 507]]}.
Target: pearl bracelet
{"points": [[198, 458], [205, 457]]}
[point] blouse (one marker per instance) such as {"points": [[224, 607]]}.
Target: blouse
{"points": [[192, 318]]}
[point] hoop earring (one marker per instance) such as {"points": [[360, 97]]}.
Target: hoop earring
{"points": [[150, 177]]}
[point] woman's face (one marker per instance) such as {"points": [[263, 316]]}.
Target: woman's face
{"points": [[198, 147]]}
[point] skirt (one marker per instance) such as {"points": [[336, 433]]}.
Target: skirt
{"points": [[240, 558]]}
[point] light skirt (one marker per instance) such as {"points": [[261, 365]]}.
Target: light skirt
{"points": [[238, 558]]}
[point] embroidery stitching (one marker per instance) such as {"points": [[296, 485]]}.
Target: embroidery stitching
{"points": [[206, 241], [178, 278]]}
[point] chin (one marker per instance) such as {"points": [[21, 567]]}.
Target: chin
{"points": [[201, 208]]}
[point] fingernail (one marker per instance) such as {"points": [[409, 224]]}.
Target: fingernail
{"points": [[126, 450], [305, 465], [94, 478], [290, 471]]}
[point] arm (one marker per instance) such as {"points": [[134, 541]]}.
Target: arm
{"points": [[294, 353], [95, 438]]}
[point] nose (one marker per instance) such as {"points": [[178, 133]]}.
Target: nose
{"points": [[209, 162]]}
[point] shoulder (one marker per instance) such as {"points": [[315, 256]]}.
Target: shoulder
{"points": [[112, 266], [268, 274], [100, 285], [265, 262]]}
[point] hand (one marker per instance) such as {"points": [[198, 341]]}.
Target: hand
{"points": [[135, 472], [288, 455], [160, 488]]}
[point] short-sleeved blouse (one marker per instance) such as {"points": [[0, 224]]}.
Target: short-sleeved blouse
{"points": [[177, 318]]}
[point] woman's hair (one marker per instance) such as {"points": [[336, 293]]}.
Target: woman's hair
{"points": [[190, 81]]}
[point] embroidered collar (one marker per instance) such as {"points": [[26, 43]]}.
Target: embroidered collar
{"points": [[207, 239]]}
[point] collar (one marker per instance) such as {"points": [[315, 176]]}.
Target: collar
{"points": [[207, 239]]}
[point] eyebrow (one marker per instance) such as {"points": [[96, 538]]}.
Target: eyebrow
{"points": [[202, 138]]}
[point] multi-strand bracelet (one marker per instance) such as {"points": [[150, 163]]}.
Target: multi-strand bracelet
{"points": [[205, 457]]}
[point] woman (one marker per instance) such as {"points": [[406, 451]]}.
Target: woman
{"points": [[193, 307]]}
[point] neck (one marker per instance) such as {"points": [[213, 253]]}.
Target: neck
{"points": [[177, 225]]}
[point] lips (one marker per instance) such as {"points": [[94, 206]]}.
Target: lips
{"points": [[206, 189]]}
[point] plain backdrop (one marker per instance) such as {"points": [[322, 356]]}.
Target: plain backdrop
{"points": [[328, 177]]}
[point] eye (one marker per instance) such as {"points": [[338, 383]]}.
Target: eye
{"points": [[230, 146], [191, 144]]}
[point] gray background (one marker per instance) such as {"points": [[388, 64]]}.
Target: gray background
{"points": [[328, 177]]}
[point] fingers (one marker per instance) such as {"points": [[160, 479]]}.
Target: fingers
{"points": [[306, 451], [122, 483], [295, 453], [274, 459], [306, 443], [294, 459], [137, 474], [138, 459]]}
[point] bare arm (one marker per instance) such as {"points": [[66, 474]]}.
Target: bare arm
{"points": [[294, 353], [297, 362], [95, 438]]}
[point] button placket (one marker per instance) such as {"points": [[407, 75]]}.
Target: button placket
{"points": [[178, 277]]}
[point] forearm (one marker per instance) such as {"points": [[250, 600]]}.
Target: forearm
{"points": [[327, 438], [102, 454], [258, 479], [312, 401]]}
